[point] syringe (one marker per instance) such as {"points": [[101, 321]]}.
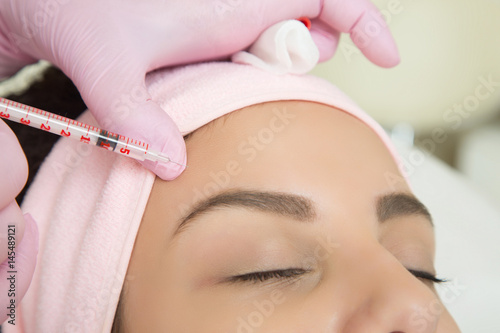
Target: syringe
{"points": [[70, 128]]}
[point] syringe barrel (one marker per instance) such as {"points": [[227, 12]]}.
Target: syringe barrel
{"points": [[70, 128]]}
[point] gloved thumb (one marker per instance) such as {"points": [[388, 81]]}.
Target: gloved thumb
{"points": [[121, 103]]}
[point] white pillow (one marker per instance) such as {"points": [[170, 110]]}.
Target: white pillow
{"points": [[467, 226]]}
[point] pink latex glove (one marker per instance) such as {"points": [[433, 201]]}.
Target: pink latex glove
{"points": [[13, 175], [107, 46]]}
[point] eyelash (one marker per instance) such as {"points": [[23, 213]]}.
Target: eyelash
{"points": [[292, 273], [426, 276], [281, 275]]}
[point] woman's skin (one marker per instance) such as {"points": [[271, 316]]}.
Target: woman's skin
{"points": [[339, 260]]}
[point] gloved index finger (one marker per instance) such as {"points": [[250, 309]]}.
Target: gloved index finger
{"points": [[368, 30], [13, 166], [121, 103]]}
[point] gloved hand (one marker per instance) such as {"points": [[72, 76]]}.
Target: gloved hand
{"points": [[22, 239], [107, 46]]}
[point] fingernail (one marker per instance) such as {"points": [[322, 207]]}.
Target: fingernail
{"points": [[170, 171]]}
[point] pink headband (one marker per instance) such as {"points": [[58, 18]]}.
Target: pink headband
{"points": [[89, 203]]}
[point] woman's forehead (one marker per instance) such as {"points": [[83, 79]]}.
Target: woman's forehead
{"points": [[287, 146]]}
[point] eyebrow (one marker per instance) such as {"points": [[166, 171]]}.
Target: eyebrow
{"points": [[297, 207], [400, 204], [284, 204]]}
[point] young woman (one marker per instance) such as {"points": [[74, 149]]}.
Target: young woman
{"points": [[292, 216]]}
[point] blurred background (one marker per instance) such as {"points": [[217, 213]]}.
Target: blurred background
{"points": [[444, 96]]}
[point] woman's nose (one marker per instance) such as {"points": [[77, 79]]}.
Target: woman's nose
{"points": [[388, 299], [396, 309]]}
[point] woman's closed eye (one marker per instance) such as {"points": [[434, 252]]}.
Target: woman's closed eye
{"points": [[294, 273], [265, 276]]}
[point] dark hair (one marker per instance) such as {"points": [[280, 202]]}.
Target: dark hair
{"points": [[53, 92]]}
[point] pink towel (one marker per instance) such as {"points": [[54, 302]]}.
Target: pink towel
{"points": [[89, 203]]}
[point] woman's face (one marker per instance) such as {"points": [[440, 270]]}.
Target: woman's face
{"points": [[291, 217]]}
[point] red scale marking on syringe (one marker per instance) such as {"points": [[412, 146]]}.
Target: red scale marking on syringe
{"points": [[85, 138], [66, 133], [125, 149], [23, 107], [5, 115], [47, 128]]}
